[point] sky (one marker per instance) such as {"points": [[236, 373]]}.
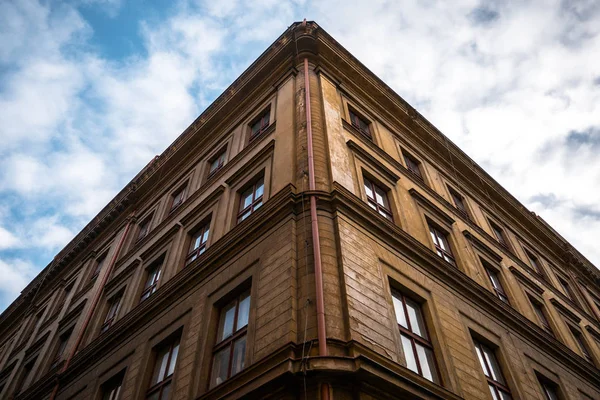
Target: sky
{"points": [[91, 90]]}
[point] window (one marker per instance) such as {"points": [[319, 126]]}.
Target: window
{"points": [[177, 198], [549, 388], [144, 227], [442, 247], [260, 124], [567, 289], [377, 199], [229, 353], [581, 344], [24, 377], [459, 202], [198, 244], [491, 369], [152, 280], [162, 373], [63, 340], [111, 389], [496, 284], [416, 343], [216, 163], [413, 165], [541, 314], [251, 199], [113, 308], [99, 263], [361, 124], [535, 262], [499, 235]]}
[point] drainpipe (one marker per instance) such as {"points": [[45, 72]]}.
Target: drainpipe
{"points": [[95, 301], [322, 336]]}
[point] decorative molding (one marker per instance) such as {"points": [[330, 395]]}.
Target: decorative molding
{"points": [[374, 162], [431, 207], [565, 311], [526, 281], [482, 247], [259, 157]]}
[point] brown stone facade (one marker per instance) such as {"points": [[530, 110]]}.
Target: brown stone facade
{"points": [[406, 222]]}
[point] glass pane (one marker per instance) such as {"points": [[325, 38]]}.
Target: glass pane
{"points": [[373, 206], [239, 356], [246, 199], [258, 205], [399, 309], [173, 361], [195, 243], [433, 236], [379, 197], [427, 363], [493, 364], [153, 396], [368, 190], [443, 242], [411, 362], [220, 365], [494, 279], [480, 356], [416, 318], [245, 215], [165, 392], [506, 396], [226, 323], [260, 188], [150, 279], [243, 312], [160, 366], [205, 236], [494, 393]]}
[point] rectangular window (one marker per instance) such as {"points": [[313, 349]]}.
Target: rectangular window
{"points": [[251, 199], [534, 261], [493, 373], [177, 198], [540, 311], [360, 123], [499, 235], [549, 388], [144, 227], [99, 263], [442, 247], [496, 284], [229, 353], [63, 340], [113, 308], [111, 389], [567, 289], [198, 243], [260, 124], [377, 199], [24, 377], [152, 281], [581, 344], [459, 202], [162, 373], [216, 163], [413, 165], [416, 343]]}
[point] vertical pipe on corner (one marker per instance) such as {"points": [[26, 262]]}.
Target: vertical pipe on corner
{"points": [[321, 332]]}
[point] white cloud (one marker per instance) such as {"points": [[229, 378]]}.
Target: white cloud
{"points": [[8, 240], [16, 274]]}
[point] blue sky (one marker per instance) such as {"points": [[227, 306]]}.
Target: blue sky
{"points": [[91, 90]]}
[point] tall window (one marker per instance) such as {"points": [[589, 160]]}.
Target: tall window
{"points": [[459, 202], [491, 369], [567, 289], [111, 389], [198, 243], [360, 123], [540, 311], [251, 199], [99, 263], [442, 247], [177, 197], [496, 284], [229, 353], [152, 281], [377, 199], [413, 165], [535, 262], [260, 124], [216, 163], [63, 340], [581, 344], [549, 388], [111, 315], [416, 343], [162, 373], [499, 235], [144, 227], [25, 375]]}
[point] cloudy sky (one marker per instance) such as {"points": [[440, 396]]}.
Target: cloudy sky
{"points": [[91, 90]]}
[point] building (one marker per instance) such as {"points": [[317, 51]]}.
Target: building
{"points": [[338, 247]]}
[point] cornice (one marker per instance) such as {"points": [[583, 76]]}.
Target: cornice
{"points": [[526, 281], [482, 247], [431, 207], [565, 311], [358, 150]]}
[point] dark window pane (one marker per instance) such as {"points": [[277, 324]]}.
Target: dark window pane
{"points": [[226, 323], [239, 355], [220, 366]]}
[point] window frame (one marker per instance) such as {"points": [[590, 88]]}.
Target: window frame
{"points": [[488, 372], [414, 337], [383, 210], [356, 119], [413, 165], [98, 265], [115, 301], [220, 157], [266, 112], [171, 343], [582, 345], [541, 313], [254, 204], [110, 385], [144, 226], [61, 346], [546, 385], [567, 288], [499, 290], [178, 197], [463, 210], [154, 270], [435, 228], [204, 229], [534, 262], [499, 234]]}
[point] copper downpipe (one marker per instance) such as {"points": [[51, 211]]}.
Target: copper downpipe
{"points": [[92, 309], [321, 332]]}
